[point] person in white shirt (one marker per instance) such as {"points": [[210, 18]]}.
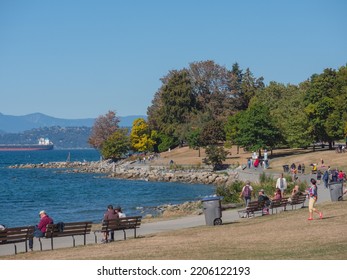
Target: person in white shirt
{"points": [[281, 184], [118, 210]]}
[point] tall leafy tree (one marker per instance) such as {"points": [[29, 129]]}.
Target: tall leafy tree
{"points": [[248, 89], [256, 129], [141, 136], [212, 133], [287, 109], [103, 128], [194, 140], [215, 155], [117, 145], [231, 129], [326, 106], [211, 86], [173, 104]]}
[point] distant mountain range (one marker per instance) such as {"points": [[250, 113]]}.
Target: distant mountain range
{"points": [[17, 124]]}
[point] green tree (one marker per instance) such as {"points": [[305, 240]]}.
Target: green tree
{"points": [[117, 145], [165, 142], [211, 87], [172, 105], [248, 89], [194, 140], [326, 105], [212, 133], [215, 155], [256, 129], [231, 130]]}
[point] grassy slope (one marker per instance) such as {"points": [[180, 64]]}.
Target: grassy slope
{"points": [[287, 235], [186, 156]]}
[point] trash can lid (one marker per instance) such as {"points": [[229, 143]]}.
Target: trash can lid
{"points": [[208, 198]]}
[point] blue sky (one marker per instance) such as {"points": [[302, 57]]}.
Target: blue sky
{"points": [[79, 59]]}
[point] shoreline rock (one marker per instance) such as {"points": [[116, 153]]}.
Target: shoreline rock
{"points": [[132, 171]]}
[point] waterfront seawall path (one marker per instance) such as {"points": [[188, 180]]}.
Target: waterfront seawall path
{"points": [[154, 227]]}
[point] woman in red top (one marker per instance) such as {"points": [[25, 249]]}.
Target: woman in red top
{"points": [[278, 194], [341, 176]]}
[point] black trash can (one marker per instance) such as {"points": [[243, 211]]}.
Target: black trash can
{"points": [[336, 190], [286, 168], [212, 206]]}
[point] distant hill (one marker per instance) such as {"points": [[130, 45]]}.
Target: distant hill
{"points": [[62, 137], [17, 124]]}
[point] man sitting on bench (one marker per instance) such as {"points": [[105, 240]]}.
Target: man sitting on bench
{"points": [[40, 229]]}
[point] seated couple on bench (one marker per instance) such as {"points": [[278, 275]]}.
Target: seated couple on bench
{"points": [[111, 214]]}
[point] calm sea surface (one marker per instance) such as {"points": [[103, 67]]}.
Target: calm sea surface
{"points": [[78, 197]]}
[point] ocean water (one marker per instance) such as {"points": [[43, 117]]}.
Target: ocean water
{"points": [[71, 197]]}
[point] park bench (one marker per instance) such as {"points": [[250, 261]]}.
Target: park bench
{"points": [[67, 229], [297, 200], [252, 208], [16, 235], [278, 203], [123, 224]]}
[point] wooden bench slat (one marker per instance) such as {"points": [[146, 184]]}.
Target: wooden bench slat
{"points": [[70, 229], [17, 235], [296, 200], [278, 203], [252, 208]]}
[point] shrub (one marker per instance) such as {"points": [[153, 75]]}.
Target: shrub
{"points": [[230, 193], [266, 179]]}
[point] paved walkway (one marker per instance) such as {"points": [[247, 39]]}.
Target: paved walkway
{"points": [[229, 216]]}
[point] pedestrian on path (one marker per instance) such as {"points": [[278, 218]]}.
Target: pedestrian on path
{"points": [[246, 192], [281, 184], [313, 193], [326, 178]]}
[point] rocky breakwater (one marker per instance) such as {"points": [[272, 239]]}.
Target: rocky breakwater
{"points": [[131, 171], [161, 174], [72, 167]]}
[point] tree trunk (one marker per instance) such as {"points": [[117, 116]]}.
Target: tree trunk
{"points": [[330, 145]]}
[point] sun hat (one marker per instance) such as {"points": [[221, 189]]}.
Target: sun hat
{"points": [[42, 212]]}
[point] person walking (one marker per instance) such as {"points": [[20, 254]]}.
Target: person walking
{"points": [[266, 161], [313, 194], [326, 178], [246, 192], [281, 184]]}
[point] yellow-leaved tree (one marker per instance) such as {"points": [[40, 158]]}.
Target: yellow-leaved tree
{"points": [[141, 138]]}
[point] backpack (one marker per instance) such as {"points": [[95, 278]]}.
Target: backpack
{"points": [[60, 226], [247, 191]]}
